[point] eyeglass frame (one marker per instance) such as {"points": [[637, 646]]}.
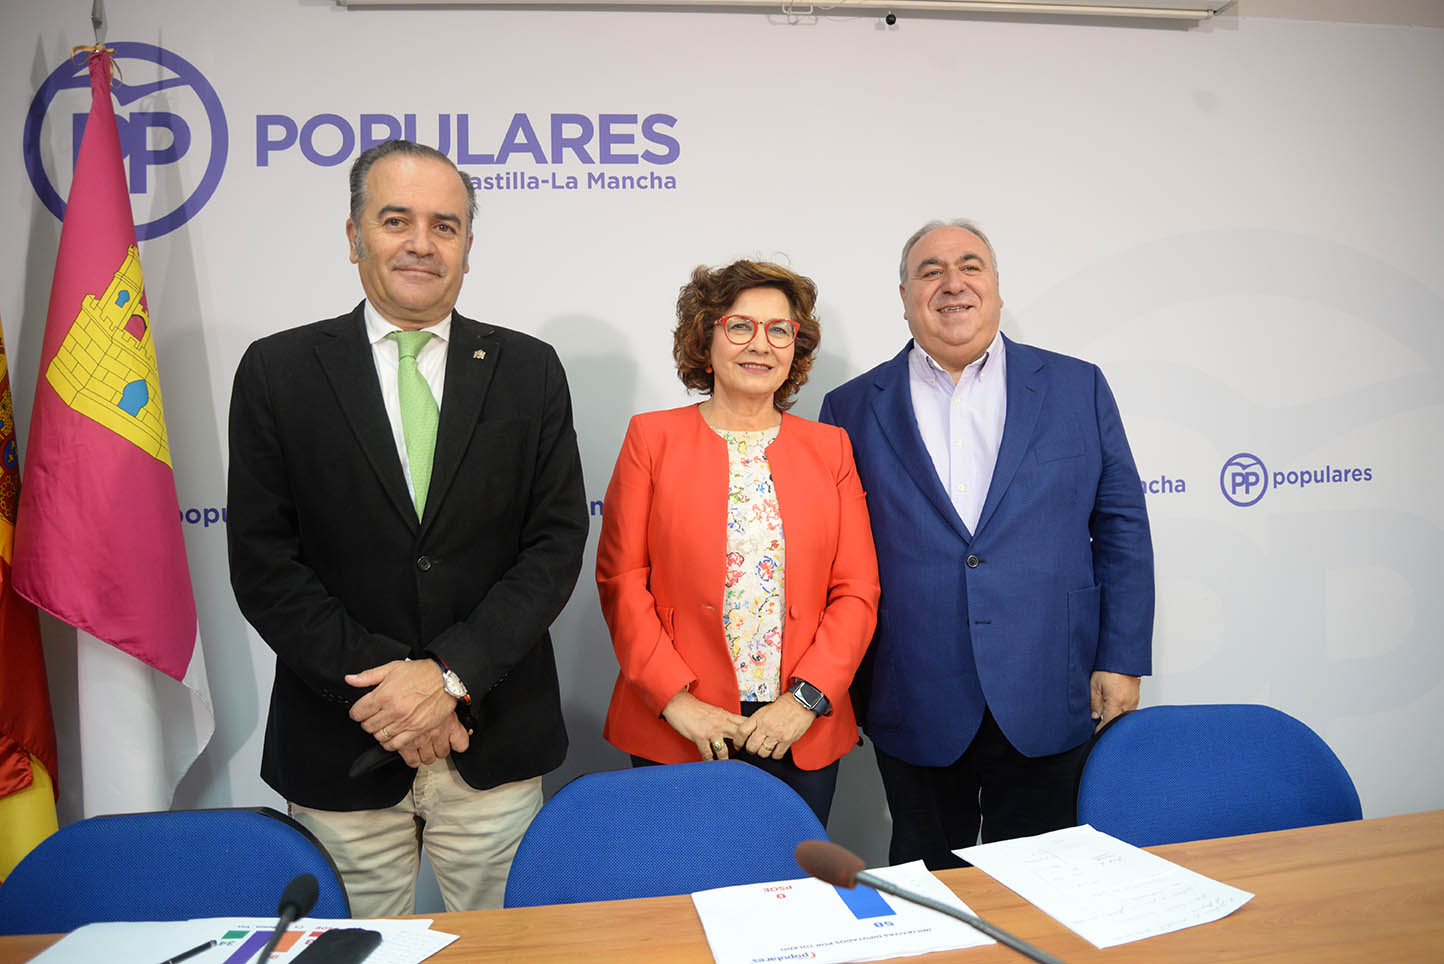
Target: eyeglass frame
{"points": [[756, 324]]}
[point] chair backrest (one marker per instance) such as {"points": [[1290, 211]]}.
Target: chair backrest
{"points": [[166, 866], [658, 830], [1167, 774]]}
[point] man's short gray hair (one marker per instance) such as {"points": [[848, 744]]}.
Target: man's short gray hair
{"points": [[362, 167], [964, 223]]}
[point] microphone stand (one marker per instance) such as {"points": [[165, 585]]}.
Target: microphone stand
{"points": [[977, 923], [836, 865], [296, 902]]}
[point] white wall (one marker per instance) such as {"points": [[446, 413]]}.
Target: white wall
{"points": [[1238, 221]]}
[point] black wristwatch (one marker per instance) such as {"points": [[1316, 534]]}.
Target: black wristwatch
{"points": [[811, 697]]}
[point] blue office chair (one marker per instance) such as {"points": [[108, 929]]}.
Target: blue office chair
{"points": [[658, 830], [1167, 774], [166, 866]]}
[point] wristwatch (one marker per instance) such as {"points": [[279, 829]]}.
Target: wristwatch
{"points": [[457, 689], [452, 683], [811, 697]]}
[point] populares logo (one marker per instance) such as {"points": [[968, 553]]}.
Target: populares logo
{"points": [[1244, 479], [543, 152], [169, 118]]}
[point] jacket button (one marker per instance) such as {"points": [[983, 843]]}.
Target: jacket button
{"points": [[424, 563], [973, 562]]}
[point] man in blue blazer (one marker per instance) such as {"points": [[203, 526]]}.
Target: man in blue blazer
{"points": [[1015, 556]]}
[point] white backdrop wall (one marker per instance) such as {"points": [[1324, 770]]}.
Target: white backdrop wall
{"points": [[1239, 221]]}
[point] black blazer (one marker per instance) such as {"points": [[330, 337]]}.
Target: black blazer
{"points": [[331, 566]]}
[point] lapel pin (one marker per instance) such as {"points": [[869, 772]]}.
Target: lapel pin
{"points": [[479, 353]]}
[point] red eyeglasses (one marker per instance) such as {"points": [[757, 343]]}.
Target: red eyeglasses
{"points": [[740, 330]]}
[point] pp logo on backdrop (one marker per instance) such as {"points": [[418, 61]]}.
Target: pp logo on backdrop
{"points": [[167, 113], [1244, 479]]}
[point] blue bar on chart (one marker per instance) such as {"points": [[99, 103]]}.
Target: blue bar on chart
{"points": [[864, 902]]}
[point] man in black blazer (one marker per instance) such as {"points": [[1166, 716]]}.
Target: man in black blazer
{"points": [[408, 613]]}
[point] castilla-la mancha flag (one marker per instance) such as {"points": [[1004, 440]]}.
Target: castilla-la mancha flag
{"points": [[98, 539]]}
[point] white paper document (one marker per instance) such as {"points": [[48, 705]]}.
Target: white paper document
{"points": [[1106, 891], [796, 920], [238, 939]]}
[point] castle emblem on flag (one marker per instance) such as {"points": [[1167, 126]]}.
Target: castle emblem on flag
{"points": [[105, 368]]}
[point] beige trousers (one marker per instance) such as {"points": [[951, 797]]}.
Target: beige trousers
{"points": [[470, 838]]}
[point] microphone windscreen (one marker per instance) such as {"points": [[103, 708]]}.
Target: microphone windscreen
{"points": [[299, 897], [829, 862]]}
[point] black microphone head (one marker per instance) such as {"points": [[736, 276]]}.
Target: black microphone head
{"points": [[829, 862], [299, 897]]}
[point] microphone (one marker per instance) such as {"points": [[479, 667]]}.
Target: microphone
{"points": [[296, 902], [836, 865], [829, 862]]}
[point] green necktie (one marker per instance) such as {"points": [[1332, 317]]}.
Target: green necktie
{"points": [[418, 412]]}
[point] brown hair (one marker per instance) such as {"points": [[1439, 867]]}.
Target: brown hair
{"points": [[705, 299]]}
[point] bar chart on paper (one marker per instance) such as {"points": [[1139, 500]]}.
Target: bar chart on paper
{"points": [[807, 918], [237, 941]]}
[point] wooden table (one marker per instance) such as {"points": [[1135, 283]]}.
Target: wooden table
{"points": [[1364, 892]]}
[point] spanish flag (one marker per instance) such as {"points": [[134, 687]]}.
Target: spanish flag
{"points": [[27, 732]]}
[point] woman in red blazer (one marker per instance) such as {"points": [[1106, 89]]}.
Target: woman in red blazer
{"points": [[736, 567]]}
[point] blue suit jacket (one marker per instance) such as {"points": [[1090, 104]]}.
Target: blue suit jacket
{"points": [[1056, 582]]}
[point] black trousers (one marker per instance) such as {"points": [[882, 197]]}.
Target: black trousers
{"points": [[992, 786], [815, 787]]}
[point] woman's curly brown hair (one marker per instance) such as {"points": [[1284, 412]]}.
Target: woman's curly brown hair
{"points": [[704, 300]]}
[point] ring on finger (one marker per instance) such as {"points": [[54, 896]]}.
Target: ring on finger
{"points": [[385, 733], [718, 745]]}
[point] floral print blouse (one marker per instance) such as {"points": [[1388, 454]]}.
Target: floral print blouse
{"points": [[752, 599]]}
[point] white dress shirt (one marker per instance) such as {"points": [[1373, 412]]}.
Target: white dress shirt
{"points": [[962, 424], [431, 362]]}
